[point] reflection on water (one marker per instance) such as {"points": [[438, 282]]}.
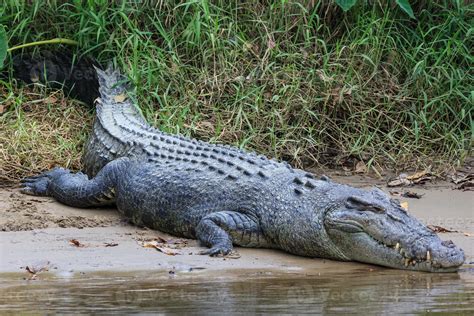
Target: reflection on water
{"points": [[378, 292]]}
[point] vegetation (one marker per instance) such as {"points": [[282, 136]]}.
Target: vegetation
{"points": [[302, 81]]}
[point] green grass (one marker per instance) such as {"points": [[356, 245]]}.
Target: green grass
{"points": [[310, 85]]}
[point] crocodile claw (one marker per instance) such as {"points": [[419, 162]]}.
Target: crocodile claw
{"points": [[38, 185], [217, 251]]}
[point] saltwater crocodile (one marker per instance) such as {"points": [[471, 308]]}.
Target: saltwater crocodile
{"points": [[224, 196]]}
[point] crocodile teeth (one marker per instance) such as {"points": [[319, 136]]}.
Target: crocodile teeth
{"points": [[428, 255], [397, 246]]}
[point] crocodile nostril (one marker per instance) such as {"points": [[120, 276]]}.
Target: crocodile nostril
{"points": [[448, 243]]}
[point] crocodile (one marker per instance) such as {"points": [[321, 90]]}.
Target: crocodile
{"points": [[225, 197]]}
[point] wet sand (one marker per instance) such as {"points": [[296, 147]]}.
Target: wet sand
{"points": [[37, 230]]}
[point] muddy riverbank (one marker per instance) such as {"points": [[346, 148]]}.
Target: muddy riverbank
{"points": [[38, 229], [95, 259]]}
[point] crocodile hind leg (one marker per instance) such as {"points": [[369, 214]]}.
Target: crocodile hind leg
{"points": [[76, 189], [221, 230]]}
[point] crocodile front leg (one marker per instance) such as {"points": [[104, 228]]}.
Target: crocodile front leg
{"points": [[76, 189], [221, 230]]}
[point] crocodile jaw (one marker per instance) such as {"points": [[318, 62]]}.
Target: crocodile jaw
{"points": [[370, 227], [440, 256]]}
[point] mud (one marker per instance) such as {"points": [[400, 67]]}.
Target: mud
{"points": [[23, 213]]}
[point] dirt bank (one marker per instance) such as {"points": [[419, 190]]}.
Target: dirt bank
{"points": [[38, 231]]}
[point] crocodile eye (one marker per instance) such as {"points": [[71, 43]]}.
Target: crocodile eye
{"points": [[361, 204]]}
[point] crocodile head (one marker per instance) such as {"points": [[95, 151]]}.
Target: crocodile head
{"points": [[370, 227]]}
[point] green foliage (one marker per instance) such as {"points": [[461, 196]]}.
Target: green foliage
{"points": [[3, 45], [309, 84], [405, 5], [346, 5]]}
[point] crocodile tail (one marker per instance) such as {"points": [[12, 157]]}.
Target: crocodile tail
{"points": [[119, 125], [59, 70], [112, 84]]}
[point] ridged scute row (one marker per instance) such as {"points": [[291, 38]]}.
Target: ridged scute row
{"points": [[121, 131]]}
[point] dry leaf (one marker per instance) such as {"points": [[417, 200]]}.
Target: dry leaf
{"points": [[404, 205], [233, 255], [460, 177], [51, 99], [468, 234], [2, 109], [466, 186], [417, 178], [150, 244], [412, 195], [439, 229], [159, 246], [37, 268], [110, 244], [120, 98], [76, 243], [401, 180], [418, 175], [360, 167], [167, 251]]}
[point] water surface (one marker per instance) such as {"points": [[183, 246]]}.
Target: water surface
{"points": [[368, 291]]}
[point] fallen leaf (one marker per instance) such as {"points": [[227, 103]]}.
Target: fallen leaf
{"points": [[412, 195], [460, 177], [160, 247], [150, 244], [167, 251], [406, 180], [466, 186], [439, 229], [37, 268], [51, 99], [404, 205], [233, 255], [76, 243], [418, 175], [468, 234], [401, 180], [360, 167], [2, 109], [110, 244], [30, 270], [120, 98]]}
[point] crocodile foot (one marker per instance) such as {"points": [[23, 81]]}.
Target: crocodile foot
{"points": [[38, 185], [217, 251]]}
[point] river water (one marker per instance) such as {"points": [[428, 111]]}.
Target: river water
{"points": [[368, 291]]}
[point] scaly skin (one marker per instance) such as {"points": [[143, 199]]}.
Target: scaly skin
{"points": [[223, 196], [120, 131]]}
